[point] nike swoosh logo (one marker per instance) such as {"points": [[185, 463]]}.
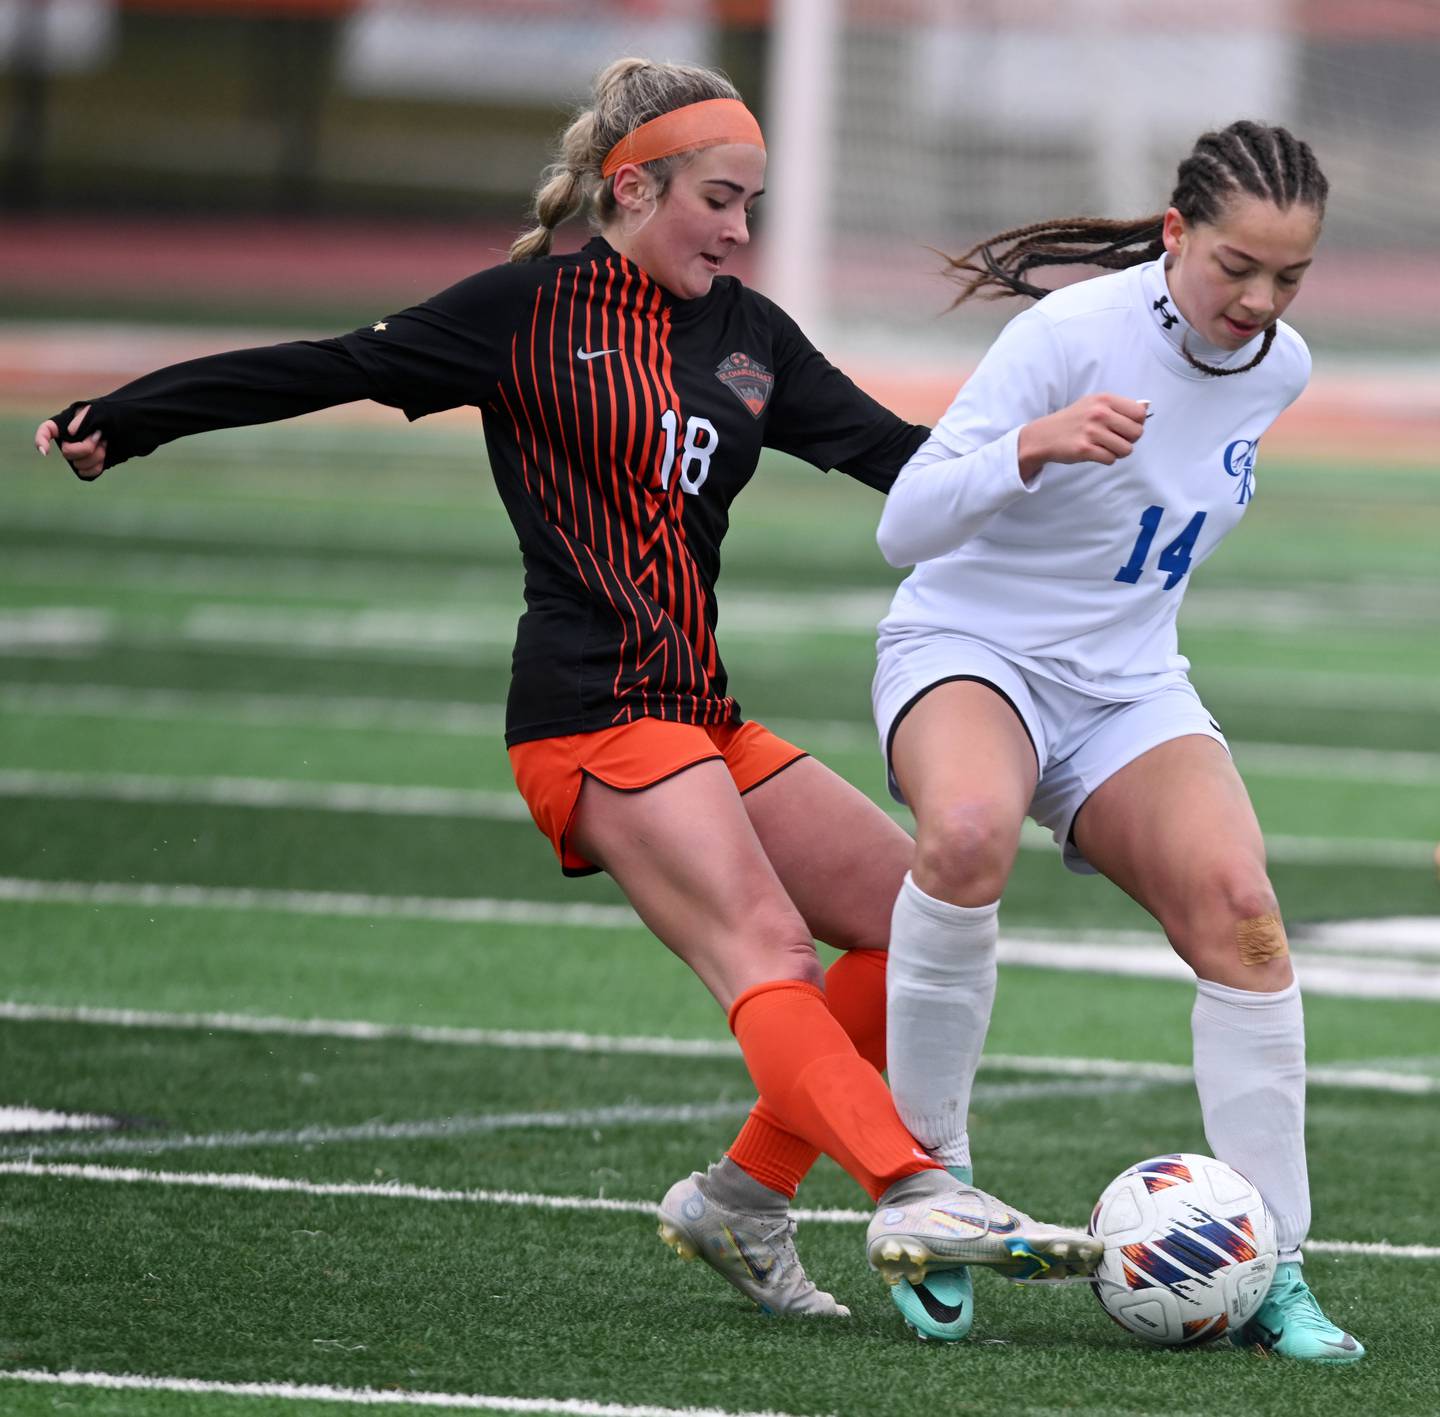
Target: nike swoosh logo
{"points": [[594, 353], [942, 1313], [981, 1222]]}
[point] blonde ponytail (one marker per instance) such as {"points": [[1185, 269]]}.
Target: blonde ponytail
{"points": [[628, 92]]}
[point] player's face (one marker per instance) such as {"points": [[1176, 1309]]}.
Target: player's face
{"points": [[701, 220], [1234, 277]]}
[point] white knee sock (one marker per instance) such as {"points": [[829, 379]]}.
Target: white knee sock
{"points": [[940, 987], [1250, 1074]]}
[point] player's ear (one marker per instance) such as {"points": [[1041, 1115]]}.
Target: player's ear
{"points": [[634, 188], [1173, 231]]}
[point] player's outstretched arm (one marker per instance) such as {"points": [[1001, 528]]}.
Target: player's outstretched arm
{"points": [[229, 390]]}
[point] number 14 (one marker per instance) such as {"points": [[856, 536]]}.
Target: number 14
{"points": [[1175, 558]]}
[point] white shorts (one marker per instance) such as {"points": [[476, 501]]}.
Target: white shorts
{"points": [[1079, 740]]}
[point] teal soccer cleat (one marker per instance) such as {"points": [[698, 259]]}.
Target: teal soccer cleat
{"points": [[942, 1306], [1291, 1324]]}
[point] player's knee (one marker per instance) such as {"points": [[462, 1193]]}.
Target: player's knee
{"points": [[796, 959], [1235, 919], [782, 946], [964, 851]]}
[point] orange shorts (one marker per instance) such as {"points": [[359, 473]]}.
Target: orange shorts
{"points": [[631, 757]]}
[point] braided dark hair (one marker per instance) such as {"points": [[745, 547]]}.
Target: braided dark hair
{"points": [[1270, 163]]}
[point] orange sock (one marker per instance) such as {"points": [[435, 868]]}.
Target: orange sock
{"points": [[855, 994], [819, 1087]]}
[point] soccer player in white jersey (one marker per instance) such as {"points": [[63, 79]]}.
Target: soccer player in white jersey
{"points": [[1029, 665]]}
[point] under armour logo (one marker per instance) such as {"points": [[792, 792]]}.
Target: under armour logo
{"points": [[1163, 306]]}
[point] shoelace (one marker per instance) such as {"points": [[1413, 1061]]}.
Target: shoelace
{"points": [[1301, 1306], [785, 1227]]}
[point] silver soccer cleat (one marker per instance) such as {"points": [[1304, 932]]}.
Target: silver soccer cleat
{"points": [[966, 1226], [756, 1253]]}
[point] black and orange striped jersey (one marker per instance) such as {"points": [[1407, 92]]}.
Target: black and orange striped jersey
{"points": [[621, 423]]}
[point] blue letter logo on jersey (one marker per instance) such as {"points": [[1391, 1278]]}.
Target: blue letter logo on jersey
{"points": [[1240, 462]]}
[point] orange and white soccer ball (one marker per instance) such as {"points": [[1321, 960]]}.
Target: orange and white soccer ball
{"points": [[1189, 1249]]}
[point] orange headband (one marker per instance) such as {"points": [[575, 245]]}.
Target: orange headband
{"points": [[698, 125]]}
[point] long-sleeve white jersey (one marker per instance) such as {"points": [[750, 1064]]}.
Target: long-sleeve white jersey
{"points": [[1078, 576]]}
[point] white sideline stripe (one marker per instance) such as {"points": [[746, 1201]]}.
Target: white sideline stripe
{"points": [[1387, 765], [398, 1190], [41, 1119], [380, 1190], [54, 627], [464, 911], [491, 805], [570, 1042], [364, 1396], [1322, 688], [431, 1127], [76, 628], [451, 717], [1334, 975], [1329, 1075], [1410, 934], [267, 792], [1129, 953], [289, 710], [589, 1119]]}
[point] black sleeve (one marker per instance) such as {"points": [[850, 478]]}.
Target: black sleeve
{"points": [[451, 350], [441, 354], [819, 415], [228, 390]]}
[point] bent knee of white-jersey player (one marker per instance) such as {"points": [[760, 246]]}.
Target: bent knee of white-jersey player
{"points": [[965, 850], [1229, 928]]}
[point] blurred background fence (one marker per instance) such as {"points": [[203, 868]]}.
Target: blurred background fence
{"points": [[311, 163]]}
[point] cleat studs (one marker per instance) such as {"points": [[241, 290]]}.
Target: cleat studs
{"points": [[676, 1241]]}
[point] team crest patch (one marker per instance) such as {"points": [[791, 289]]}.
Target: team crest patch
{"points": [[750, 382]]}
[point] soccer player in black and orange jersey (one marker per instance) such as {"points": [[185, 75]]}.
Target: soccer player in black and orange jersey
{"points": [[626, 391]]}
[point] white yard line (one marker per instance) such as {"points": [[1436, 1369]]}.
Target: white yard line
{"points": [[396, 1190], [1415, 769], [448, 635], [1135, 954], [1328, 1075], [563, 1041], [505, 805], [54, 628], [1382, 765], [40, 1119], [326, 711], [361, 1396], [424, 1130], [1131, 954], [587, 1119], [268, 793], [471, 911]]}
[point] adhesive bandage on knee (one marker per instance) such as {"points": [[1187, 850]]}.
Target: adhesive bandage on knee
{"points": [[1261, 939], [940, 988]]}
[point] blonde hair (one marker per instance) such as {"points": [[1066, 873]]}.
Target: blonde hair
{"points": [[628, 92]]}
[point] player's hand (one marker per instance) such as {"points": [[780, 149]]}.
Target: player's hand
{"points": [[87, 457], [1099, 428]]}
